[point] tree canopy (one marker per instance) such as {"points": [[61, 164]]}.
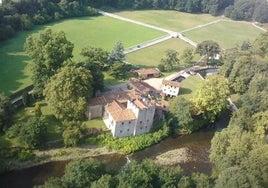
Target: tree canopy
{"points": [[5, 112], [68, 92], [209, 49], [48, 51], [211, 99]]}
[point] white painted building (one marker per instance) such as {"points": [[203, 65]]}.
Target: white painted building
{"points": [[170, 88], [132, 118]]}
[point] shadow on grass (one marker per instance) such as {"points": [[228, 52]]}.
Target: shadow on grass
{"points": [[185, 91]]}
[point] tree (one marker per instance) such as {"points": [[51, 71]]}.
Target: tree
{"points": [[5, 112], [106, 181], [171, 60], [32, 133], [73, 134], [48, 51], [68, 92], [187, 56], [95, 56], [211, 98], [228, 147], [209, 49], [26, 98], [182, 111], [117, 53], [119, 70], [82, 172], [260, 45], [51, 183], [37, 110]]}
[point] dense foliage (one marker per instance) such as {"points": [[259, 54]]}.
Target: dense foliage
{"points": [[31, 133], [48, 51], [68, 92], [5, 112], [239, 152], [90, 173]]}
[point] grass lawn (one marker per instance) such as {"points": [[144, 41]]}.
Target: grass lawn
{"points": [[189, 86], [227, 34], [151, 56], [95, 123], [172, 20], [98, 31]]}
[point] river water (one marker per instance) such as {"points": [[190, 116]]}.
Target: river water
{"points": [[198, 143]]}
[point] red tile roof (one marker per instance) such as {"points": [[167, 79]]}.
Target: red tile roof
{"points": [[119, 113], [147, 71], [171, 83]]}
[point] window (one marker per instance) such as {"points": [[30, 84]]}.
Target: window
{"points": [[129, 122], [145, 127], [127, 130], [121, 131], [122, 123], [147, 120], [140, 122]]}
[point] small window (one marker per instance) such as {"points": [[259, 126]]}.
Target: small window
{"points": [[140, 122], [121, 131], [127, 130], [145, 127], [147, 120], [129, 122], [122, 123], [140, 128]]}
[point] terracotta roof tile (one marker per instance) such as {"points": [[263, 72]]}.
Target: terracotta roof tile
{"points": [[119, 113], [147, 71], [171, 83]]}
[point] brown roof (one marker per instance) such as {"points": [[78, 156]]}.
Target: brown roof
{"points": [[122, 97], [171, 83], [139, 104], [119, 113], [147, 71], [142, 86]]}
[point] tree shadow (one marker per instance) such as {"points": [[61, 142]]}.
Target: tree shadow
{"points": [[185, 91]]}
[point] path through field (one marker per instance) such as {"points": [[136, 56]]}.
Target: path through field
{"points": [[170, 34]]}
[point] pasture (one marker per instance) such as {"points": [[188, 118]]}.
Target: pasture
{"points": [[172, 20], [227, 33], [151, 56], [98, 31]]}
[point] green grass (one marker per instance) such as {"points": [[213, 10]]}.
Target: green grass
{"points": [[95, 123], [172, 20], [151, 56], [190, 86], [98, 31], [227, 34]]}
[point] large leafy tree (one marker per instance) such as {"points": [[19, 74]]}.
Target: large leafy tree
{"points": [[170, 61], [5, 112], [81, 173], [48, 51], [209, 49], [68, 91], [182, 112], [211, 99], [117, 53], [32, 133], [187, 56]]}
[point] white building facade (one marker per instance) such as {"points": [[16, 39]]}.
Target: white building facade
{"points": [[133, 118], [170, 88]]}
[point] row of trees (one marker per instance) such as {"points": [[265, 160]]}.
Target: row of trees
{"points": [[90, 173], [239, 152], [22, 15], [248, 10]]}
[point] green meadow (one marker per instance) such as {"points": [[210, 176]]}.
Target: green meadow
{"points": [[227, 33], [151, 56], [98, 31], [172, 20], [190, 86]]}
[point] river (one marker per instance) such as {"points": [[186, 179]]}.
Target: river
{"points": [[198, 143]]}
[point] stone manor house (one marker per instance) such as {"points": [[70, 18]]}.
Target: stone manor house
{"points": [[125, 113]]}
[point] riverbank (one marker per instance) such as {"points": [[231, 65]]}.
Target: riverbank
{"points": [[61, 154]]}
